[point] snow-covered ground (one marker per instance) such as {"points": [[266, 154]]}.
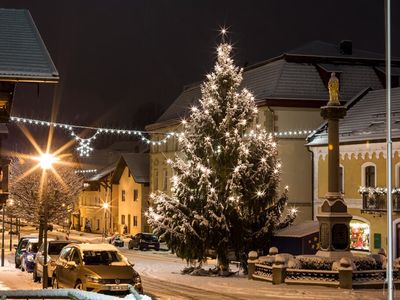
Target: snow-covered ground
{"points": [[160, 271]]}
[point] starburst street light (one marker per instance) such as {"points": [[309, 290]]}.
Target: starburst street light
{"points": [[46, 160]]}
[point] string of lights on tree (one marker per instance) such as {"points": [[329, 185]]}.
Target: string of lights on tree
{"points": [[84, 147]]}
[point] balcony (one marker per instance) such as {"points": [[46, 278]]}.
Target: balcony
{"points": [[374, 200]]}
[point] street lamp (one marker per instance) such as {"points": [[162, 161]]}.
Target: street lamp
{"points": [[105, 207], [46, 161]]}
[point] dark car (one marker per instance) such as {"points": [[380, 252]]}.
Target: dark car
{"points": [[144, 241], [28, 256], [118, 241], [53, 251], [20, 248], [97, 268]]}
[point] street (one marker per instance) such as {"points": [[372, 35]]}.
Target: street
{"points": [[160, 272]]}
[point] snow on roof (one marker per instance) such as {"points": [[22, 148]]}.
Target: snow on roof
{"points": [[299, 230], [95, 247]]}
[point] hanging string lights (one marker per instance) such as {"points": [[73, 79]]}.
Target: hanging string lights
{"points": [[84, 144]]}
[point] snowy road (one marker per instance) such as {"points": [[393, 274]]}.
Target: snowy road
{"points": [[162, 280]]}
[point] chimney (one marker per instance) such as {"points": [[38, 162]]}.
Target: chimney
{"points": [[346, 47]]}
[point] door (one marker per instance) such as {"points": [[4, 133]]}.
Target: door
{"points": [[61, 265], [71, 273]]}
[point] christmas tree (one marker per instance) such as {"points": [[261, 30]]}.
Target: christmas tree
{"points": [[224, 188]]}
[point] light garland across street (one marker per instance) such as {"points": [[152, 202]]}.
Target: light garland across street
{"points": [[84, 144]]}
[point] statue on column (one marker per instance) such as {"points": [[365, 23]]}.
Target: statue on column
{"points": [[333, 87]]}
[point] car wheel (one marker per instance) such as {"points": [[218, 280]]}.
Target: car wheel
{"points": [[78, 285], [54, 282], [157, 249], [141, 248], [16, 264], [34, 275]]}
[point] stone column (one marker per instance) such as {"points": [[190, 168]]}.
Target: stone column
{"points": [[334, 220]]}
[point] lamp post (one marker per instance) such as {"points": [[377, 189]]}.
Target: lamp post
{"points": [[105, 207], [46, 161], [10, 202]]}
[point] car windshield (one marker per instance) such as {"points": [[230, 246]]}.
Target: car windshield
{"points": [[149, 237], [55, 248], [98, 257]]}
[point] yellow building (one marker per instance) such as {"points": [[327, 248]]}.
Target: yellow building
{"points": [[97, 210], [289, 90], [130, 192], [363, 168]]}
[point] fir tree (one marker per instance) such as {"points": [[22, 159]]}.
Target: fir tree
{"points": [[225, 182]]}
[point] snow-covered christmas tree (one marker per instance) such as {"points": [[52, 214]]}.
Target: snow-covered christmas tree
{"points": [[224, 194]]}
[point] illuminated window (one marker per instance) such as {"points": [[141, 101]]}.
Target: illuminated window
{"points": [[359, 235], [135, 195], [155, 181], [165, 180], [123, 195]]}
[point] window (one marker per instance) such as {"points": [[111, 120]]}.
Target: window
{"points": [[370, 176], [135, 195], [165, 180], [359, 235], [123, 219], [135, 222], [155, 181], [341, 179], [75, 256], [123, 195]]}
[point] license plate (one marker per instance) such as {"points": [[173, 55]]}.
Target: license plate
{"points": [[119, 288]]}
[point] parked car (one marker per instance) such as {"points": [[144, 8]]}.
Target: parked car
{"points": [[144, 241], [53, 251], [95, 267], [118, 241], [20, 248], [28, 256]]}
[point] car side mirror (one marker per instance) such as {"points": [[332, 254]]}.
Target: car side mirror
{"points": [[71, 264]]}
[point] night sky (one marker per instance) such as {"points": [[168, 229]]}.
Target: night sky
{"points": [[123, 62]]}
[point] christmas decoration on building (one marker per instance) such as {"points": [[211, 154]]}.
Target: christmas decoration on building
{"points": [[84, 144]]}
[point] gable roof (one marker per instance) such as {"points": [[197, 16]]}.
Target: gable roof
{"points": [[365, 120], [23, 55], [324, 49], [295, 76], [138, 165]]}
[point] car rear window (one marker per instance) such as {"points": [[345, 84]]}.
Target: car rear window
{"points": [[100, 257], [33, 247], [149, 237], [55, 249]]}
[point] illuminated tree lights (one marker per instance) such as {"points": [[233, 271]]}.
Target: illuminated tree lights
{"points": [[225, 184]]}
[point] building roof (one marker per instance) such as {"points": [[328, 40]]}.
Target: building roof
{"points": [[23, 55], [299, 230], [297, 75], [137, 163], [365, 119]]}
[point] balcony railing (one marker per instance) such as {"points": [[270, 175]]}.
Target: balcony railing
{"points": [[375, 200]]}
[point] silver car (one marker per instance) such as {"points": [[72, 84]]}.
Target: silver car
{"points": [[53, 251]]}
